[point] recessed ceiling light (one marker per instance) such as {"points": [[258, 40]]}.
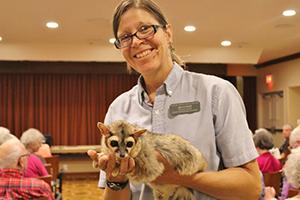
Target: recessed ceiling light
{"points": [[112, 40], [289, 13], [0, 38], [189, 28], [226, 43], [52, 25]]}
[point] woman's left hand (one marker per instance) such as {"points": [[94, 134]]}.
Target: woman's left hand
{"points": [[270, 193], [170, 176]]}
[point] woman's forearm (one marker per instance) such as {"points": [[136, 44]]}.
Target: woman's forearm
{"points": [[240, 183], [124, 194]]}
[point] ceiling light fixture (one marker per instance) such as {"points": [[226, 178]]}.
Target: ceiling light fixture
{"points": [[52, 25], [112, 40], [0, 38], [289, 13], [226, 43], [189, 28]]}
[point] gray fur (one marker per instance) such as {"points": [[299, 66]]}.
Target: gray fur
{"points": [[181, 154]]}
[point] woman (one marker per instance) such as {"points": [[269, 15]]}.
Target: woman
{"points": [[45, 150], [32, 140], [206, 110], [5, 135], [263, 141], [291, 171]]}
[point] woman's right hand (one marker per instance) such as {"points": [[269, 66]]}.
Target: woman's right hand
{"points": [[107, 163], [269, 193]]}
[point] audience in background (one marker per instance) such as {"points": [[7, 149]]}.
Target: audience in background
{"points": [[295, 148], [263, 141], [5, 134], [13, 158], [291, 171], [32, 140], [284, 148], [295, 139], [4, 130], [44, 151]]}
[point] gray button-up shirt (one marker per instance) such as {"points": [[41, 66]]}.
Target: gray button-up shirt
{"points": [[204, 109]]}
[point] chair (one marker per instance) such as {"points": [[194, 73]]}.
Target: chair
{"points": [[274, 180], [49, 168], [54, 161], [47, 179], [292, 192]]}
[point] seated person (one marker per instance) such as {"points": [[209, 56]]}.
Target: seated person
{"points": [[13, 158], [295, 140], [294, 143], [284, 148], [5, 134], [44, 151], [291, 171], [32, 140], [263, 141]]}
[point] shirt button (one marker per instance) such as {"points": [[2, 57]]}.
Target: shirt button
{"points": [[170, 92], [156, 112]]}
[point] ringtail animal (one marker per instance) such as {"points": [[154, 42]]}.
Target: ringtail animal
{"points": [[125, 139]]}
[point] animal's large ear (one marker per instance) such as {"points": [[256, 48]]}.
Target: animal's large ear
{"points": [[103, 129], [139, 133]]}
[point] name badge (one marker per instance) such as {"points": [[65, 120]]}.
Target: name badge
{"points": [[184, 108]]}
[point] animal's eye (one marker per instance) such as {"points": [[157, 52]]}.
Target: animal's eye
{"points": [[129, 144], [114, 143]]}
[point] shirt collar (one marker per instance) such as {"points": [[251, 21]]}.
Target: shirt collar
{"points": [[169, 84], [173, 78], [10, 172]]}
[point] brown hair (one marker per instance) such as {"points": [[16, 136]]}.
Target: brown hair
{"points": [[150, 7]]}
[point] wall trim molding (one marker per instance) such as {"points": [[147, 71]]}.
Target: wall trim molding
{"points": [[81, 67], [278, 60]]}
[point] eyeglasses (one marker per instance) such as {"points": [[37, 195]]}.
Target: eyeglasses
{"points": [[22, 156], [143, 32]]}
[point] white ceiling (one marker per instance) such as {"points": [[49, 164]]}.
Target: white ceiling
{"points": [[256, 28]]}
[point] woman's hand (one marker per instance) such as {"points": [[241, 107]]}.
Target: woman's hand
{"points": [[107, 163], [270, 193], [170, 176]]}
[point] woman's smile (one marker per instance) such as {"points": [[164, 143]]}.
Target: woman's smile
{"points": [[144, 53]]}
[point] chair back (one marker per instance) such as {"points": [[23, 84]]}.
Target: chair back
{"points": [[292, 192], [274, 180], [47, 179], [53, 167]]}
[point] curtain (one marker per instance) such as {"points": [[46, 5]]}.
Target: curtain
{"points": [[65, 106]]}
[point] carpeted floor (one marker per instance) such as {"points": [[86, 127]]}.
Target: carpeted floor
{"points": [[81, 189]]}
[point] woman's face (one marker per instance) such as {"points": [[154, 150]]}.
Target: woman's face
{"points": [[34, 146], [146, 56]]}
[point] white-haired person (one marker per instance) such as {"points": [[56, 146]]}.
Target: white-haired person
{"points": [[295, 147], [5, 135], [44, 151], [291, 171], [32, 140], [13, 185]]}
